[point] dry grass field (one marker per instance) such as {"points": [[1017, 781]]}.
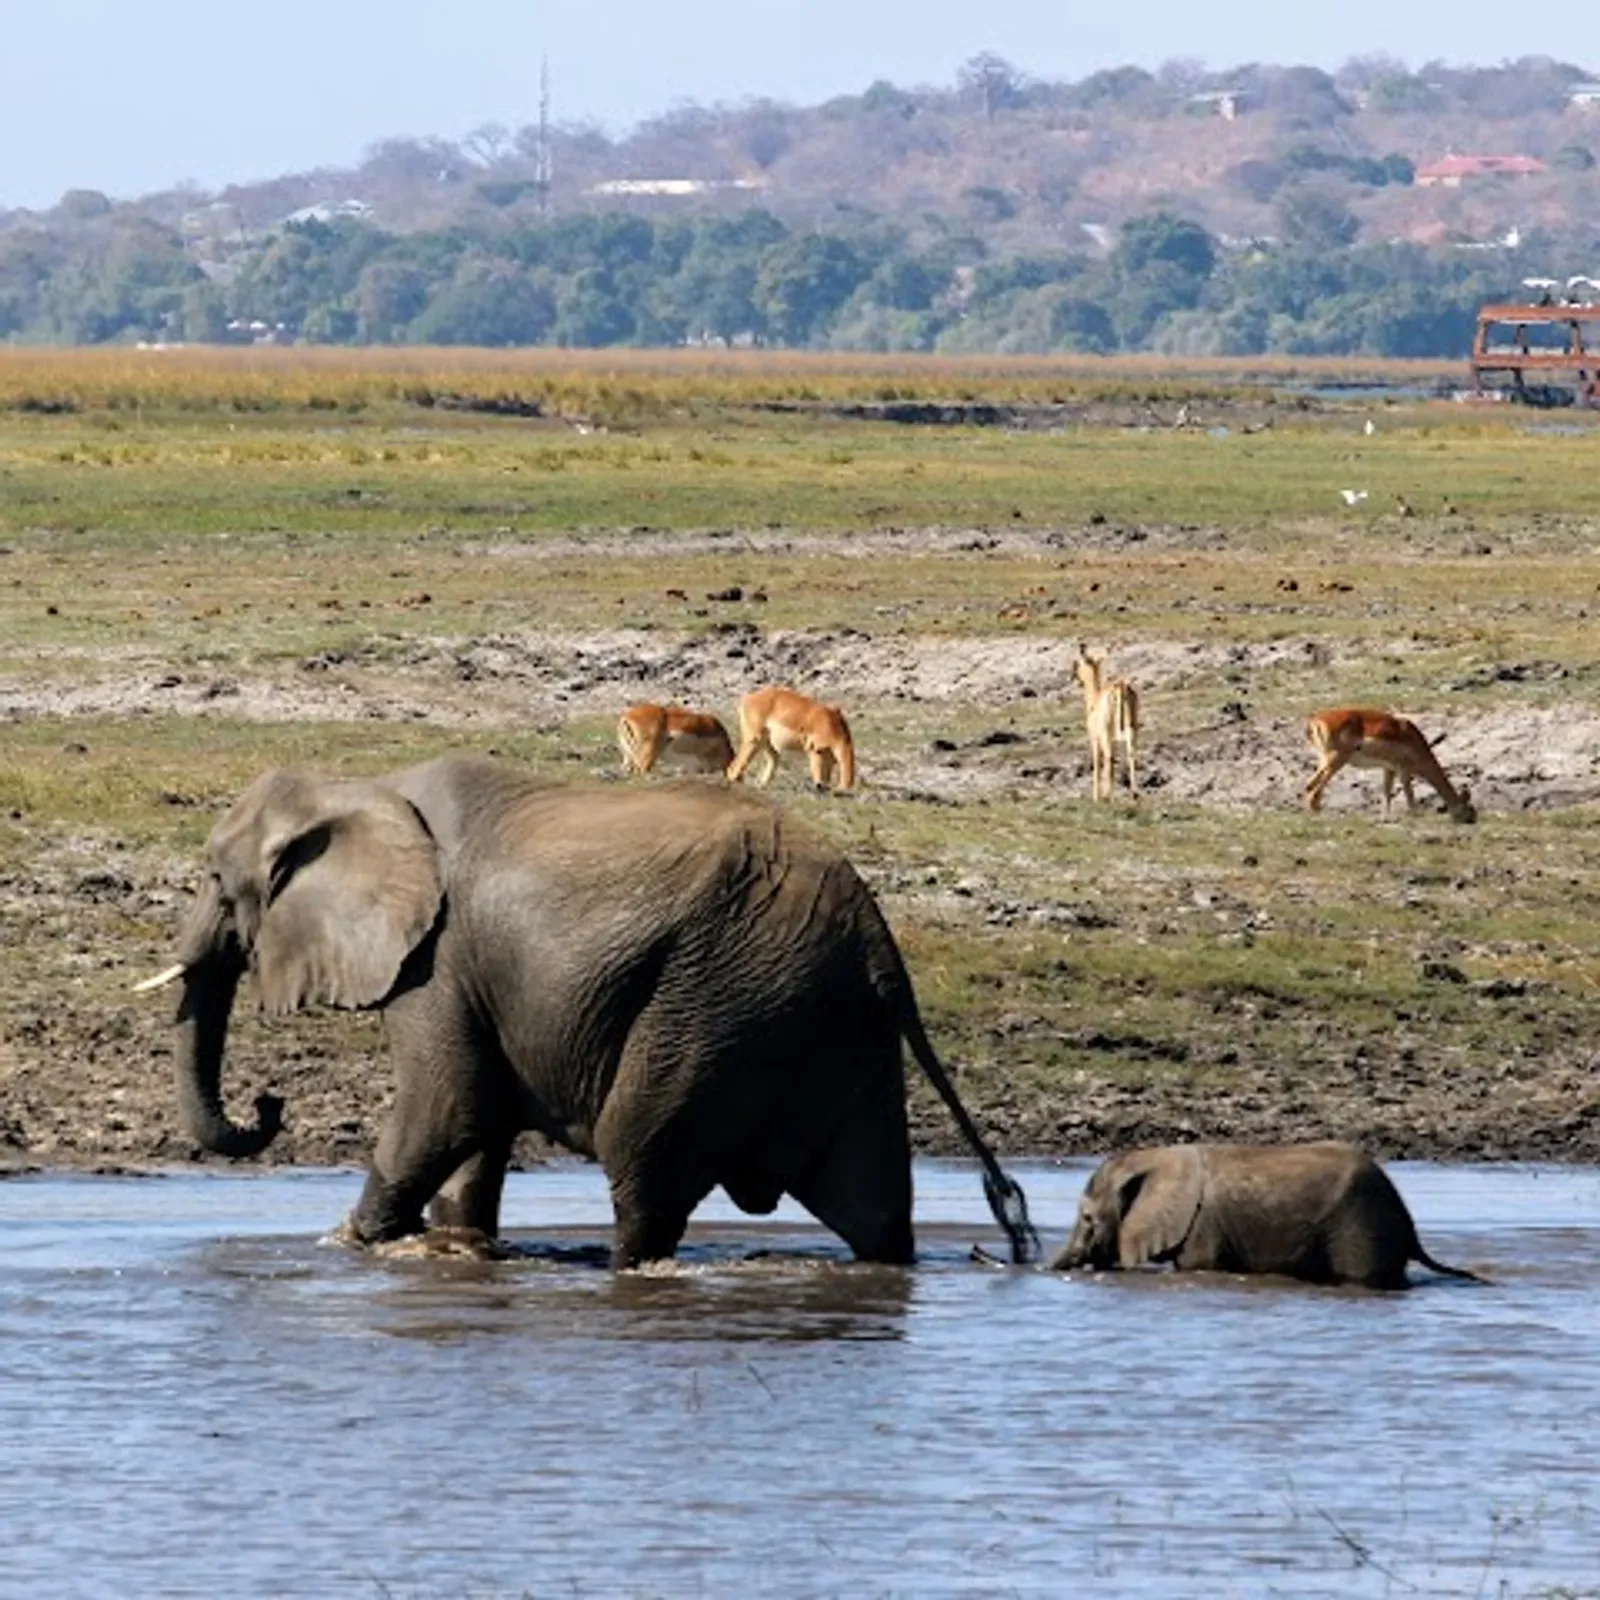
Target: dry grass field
{"points": [[211, 562]]}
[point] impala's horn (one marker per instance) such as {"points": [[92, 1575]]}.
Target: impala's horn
{"points": [[162, 979]]}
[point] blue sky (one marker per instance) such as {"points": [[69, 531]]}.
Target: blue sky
{"points": [[125, 97]]}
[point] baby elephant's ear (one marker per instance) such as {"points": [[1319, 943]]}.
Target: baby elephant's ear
{"points": [[354, 889], [1159, 1196]]}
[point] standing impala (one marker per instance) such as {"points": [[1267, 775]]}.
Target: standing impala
{"points": [[1111, 708], [773, 720], [1357, 736]]}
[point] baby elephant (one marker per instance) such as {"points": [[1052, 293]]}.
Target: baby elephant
{"points": [[1324, 1212]]}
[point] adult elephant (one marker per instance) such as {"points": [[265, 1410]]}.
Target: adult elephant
{"points": [[678, 982], [1325, 1212]]}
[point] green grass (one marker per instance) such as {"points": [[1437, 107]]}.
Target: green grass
{"points": [[144, 482]]}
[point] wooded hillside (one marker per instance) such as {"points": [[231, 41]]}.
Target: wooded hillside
{"points": [[1272, 208]]}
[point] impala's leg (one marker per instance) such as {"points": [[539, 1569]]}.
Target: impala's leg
{"points": [[1411, 798], [821, 764], [1133, 774], [1329, 765], [769, 759], [1388, 791], [747, 750]]}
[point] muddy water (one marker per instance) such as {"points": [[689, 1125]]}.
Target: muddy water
{"points": [[198, 1398]]}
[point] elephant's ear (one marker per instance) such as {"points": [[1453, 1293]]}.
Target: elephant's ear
{"points": [[353, 888], [1159, 1195]]}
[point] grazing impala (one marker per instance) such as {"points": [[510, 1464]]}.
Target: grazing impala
{"points": [[1111, 707], [650, 733], [773, 720], [1356, 736]]}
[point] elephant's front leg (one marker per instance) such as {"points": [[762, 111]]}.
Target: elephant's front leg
{"points": [[413, 1161], [443, 1121], [470, 1196]]}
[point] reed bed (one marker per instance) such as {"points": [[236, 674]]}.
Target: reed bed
{"points": [[619, 384]]}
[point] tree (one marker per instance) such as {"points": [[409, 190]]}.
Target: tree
{"points": [[1417, 322], [411, 161], [1313, 216], [765, 135], [801, 282], [992, 82], [994, 279], [490, 143], [29, 260], [985, 203], [83, 205], [204, 316], [488, 303], [136, 286], [388, 295], [1077, 324], [882, 98], [1130, 87], [1403, 92], [904, 283], [1034, 322], [1306, 96], [306, 265], [1140, 300], [1259, 180], [1164, 238], [590, 311]]}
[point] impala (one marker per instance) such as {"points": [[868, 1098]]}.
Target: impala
{"points": [[648, 733], [1111, 708], [774, 720], [1357, 736]]}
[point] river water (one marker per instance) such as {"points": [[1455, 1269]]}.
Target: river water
{"points": [[198, 1397]]}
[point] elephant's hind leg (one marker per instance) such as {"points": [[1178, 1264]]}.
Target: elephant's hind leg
{"points": [[860, 1184], [652, 1209], [658, 1173]]}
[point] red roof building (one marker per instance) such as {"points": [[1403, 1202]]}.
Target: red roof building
{"points": [[1452, 171]]}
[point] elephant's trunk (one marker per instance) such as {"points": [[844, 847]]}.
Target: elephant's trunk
{"points": [[209, 985], [1070, 1256]]}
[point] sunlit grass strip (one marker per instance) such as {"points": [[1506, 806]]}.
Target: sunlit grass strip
{"points": [[620, 383]]}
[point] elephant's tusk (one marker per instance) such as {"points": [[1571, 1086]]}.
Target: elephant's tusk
{"points": [[161, 979]]}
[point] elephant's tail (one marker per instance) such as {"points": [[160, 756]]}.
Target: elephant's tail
{"points": [[1419, 1254], [1006, 1199]]}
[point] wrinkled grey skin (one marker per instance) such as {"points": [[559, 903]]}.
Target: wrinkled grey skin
{"points": [[676, 981], [1323, 1212]]}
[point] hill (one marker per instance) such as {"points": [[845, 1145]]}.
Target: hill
{"points": [[942, 201]]}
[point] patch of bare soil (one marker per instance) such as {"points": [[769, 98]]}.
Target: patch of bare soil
{"points": [[85, 1066]]}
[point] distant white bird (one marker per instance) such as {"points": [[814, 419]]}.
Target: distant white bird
{"points": [[1353, 497], [1371, 428]]}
